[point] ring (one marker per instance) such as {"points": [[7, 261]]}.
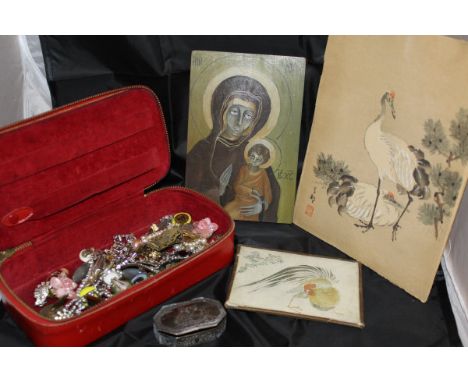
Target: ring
{"points": [[86, 255], [182, 218]]}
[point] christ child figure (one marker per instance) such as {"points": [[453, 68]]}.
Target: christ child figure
{"points": [[251, 186]]}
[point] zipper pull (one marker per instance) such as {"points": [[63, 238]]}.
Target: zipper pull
{"points": [[5, 254]]}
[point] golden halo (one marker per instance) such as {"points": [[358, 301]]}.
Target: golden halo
{"points": [[267, 144], [269, 85]]}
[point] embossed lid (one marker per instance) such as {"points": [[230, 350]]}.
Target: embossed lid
{"points": [[189, 316]]}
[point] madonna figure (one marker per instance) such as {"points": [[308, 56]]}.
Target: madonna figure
{"points": [[240, 107]]}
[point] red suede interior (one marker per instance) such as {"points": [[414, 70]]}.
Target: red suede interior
{"points": [[73, 161], [23, 271]]}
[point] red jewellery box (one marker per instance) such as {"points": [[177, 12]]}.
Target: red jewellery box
{"points": [[72, 179]]}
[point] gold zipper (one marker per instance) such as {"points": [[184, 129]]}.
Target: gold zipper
{"points": [[5, 254], [39, 117], [61, 109]]}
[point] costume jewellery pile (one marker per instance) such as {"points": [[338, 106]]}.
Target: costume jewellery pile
{"points": [[105, 273]]}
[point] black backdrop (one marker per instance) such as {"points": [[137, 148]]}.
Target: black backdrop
{"points": [[81, 66]]}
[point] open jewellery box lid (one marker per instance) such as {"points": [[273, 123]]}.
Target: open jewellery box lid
{"points": [[62, 165]]}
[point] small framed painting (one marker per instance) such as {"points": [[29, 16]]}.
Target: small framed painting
{"points": [[297, 285]]}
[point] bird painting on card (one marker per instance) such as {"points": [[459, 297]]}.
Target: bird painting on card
{"points": [[402, 164], [315, 284]]}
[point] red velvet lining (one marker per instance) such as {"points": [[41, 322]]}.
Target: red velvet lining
{"points": [[23, 271], [75, 180], [80, 129], [67, 163]]}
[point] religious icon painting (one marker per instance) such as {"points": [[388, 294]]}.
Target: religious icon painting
{"points": [[297, 285], [243, 134], [387, 160]]}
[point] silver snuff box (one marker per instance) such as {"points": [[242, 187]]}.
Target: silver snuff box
{"points": [[190, 323]]}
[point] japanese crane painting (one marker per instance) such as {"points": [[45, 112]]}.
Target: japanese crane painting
{"points": [[385, 168], [404, 166]]}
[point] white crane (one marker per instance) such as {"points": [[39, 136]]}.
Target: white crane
{"points": [[403, 165], [357, 200]]}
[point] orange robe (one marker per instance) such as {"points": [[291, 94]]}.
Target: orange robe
{"points": [[245, 182]]}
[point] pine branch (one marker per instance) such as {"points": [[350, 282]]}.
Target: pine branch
{"points": [[435, 139], [438, 198], [447, 184], [428, 213], [436, 176], [330, 170], [451, 158], [459, 132], [436, 228]]}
